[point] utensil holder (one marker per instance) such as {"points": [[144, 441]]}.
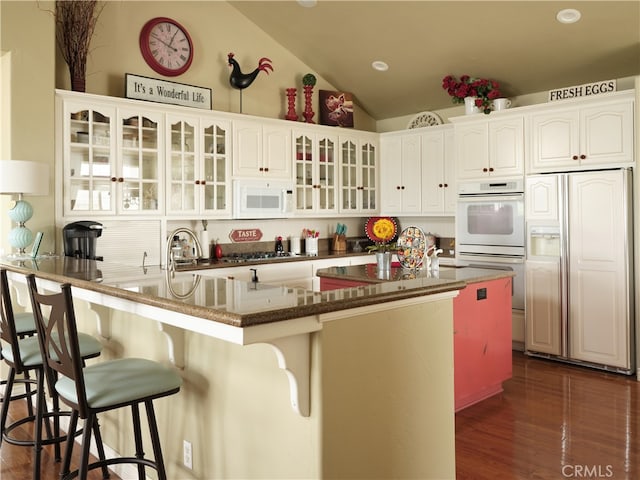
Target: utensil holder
{"points": [[311, 246], [339, 243]]}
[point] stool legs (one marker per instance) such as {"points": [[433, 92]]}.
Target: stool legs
{"points": [[155, 440], [135, 413]]}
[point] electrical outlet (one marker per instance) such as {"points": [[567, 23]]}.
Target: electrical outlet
{"points": [[187, 454]]}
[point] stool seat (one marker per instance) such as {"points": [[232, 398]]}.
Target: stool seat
{"points": [[31, 357], [25, 323], [119, 382]]}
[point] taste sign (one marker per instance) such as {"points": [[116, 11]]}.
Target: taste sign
{"points": [[246, 235]]}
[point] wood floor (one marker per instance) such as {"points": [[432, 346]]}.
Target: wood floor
{"points": [[553, 421]]}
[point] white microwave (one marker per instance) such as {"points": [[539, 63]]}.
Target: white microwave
{"points": [[262, 199]]}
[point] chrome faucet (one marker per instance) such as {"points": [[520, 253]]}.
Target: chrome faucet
{"points": [[170, 260]]}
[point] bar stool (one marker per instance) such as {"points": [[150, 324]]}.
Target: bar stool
{"points": [[101, 387], [23, 355], [25, 327]]}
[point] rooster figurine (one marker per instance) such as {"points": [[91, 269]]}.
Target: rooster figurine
{"points": [[240, 80]]}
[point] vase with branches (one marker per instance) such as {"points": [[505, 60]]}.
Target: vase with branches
{"points": [[75, 23]]}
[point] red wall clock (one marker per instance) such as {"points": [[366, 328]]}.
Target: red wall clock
{"points": [[166, 46]]}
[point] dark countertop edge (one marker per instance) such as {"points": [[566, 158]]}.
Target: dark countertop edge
{"points": [[247, 319], [205, 264]]}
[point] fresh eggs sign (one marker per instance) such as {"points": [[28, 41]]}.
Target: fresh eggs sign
{"points": [[586, 90]]}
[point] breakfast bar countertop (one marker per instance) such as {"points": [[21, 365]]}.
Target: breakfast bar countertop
{"points": [[234, 302]]}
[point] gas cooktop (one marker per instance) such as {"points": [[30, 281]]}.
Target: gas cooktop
{"points": [[255, 256]]}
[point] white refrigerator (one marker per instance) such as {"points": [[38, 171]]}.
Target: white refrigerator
{"points": [[579, 296]]}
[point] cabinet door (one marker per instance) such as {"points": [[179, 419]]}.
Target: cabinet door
{"points": [[606, 134], [599, 282], [213, 177], [348, 175], [276, 152], [506, 147], [139, 171], [450, 193], [391, 174], [89, 158], [182, 163], [433, 176], [411, 173], [543, 307], [247, 149], [303, 161], [554, 140], [368, 177], [472, 150], [327, 174], [541, 198]]}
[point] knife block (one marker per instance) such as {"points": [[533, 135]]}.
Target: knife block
{"points": [[339, 243]]}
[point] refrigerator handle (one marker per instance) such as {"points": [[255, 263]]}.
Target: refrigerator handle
{"points": [[563, 211]]}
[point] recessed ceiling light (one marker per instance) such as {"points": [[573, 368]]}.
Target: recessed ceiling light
{"points": [[380, 66], [568, 15], [307, 3]]}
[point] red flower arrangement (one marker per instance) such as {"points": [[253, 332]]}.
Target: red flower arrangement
{"points": [[483, 89]]}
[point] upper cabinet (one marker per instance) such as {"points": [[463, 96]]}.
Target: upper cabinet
{"points": [[198, 166], [591, 135], [439, 196], [490, 147], [110, 159], [316, 173], [400, 184], [262, 149], [358, 157]]}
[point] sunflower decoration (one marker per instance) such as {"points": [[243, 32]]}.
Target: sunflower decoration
{"points": [[381, 230]]}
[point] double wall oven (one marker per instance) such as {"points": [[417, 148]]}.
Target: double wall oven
{"points": [[490, 228]]}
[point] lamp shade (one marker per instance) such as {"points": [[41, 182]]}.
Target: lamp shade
{"points": [[23, 176]]}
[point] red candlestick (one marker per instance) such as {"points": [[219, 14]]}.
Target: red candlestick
{"points": [[291, 100], [308, 110]]}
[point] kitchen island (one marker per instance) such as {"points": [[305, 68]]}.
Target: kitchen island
{"points": [[369, 370]]}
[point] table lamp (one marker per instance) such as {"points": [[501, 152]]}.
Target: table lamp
{"points": [[21, 177]]}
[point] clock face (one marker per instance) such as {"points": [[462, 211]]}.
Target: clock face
{"points": [[166, 46]]}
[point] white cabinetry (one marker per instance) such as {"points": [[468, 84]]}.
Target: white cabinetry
{"points": [[438, 187], [590, 134], [400, 169], [198, 166], [262, 149], [110, 158], [490, 147], [358, 158], [541, 199], [316, 173]]}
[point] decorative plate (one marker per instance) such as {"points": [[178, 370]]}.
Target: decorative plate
{"points": [[425, 119], [412, 247], [381, 229]]}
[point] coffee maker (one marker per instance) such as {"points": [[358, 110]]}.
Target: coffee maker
{"points": [[80, 239]]}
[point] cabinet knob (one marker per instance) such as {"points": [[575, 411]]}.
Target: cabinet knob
{"points": [[440, 185], [575, 157], [197, 182], [203, 182], [583, 156], [446, 185], [266, 169], [403, 187], [491, 169], [397, 187], [120, 179], [261, 169], [485, 170], [114, 179]]}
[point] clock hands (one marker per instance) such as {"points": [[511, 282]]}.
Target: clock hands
{"points": [[164, 43], [174, 36]]}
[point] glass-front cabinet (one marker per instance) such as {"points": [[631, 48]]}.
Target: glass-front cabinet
{"points": [[358, 173], [111, 160], [315, 160], [138, 174], [198, 167], [89, 158]]}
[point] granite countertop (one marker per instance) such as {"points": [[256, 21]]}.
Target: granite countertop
{"points": [[238, 303], [369, 274]]}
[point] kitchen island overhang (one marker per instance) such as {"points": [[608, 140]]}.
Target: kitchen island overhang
{"points": [[348, 355]]}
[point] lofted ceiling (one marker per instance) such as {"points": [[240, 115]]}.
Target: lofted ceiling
{"points": [[518, 43]]}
